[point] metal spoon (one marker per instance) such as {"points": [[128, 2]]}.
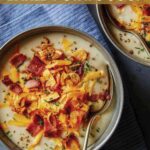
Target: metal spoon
{"points": [[140, 38], [102, 110]]}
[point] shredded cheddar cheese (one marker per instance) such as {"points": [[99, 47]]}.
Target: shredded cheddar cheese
{"points": [[14, 74], [19, 120], [93, 75], [58, 63], [36, 141], [3, 105], [66, 43]]}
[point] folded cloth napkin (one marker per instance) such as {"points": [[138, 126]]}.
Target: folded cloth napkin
{"points": [[18, 18]]}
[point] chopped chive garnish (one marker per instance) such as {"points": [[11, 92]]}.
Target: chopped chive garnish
{"points": [[141, 49]]}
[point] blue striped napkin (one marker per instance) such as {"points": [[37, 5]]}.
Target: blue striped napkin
{"points": [[18, 18]]}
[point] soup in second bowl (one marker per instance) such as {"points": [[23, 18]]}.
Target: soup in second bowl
{"points": [[136, 18]]}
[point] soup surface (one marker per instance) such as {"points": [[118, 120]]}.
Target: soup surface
{"points": [[49, 85]]}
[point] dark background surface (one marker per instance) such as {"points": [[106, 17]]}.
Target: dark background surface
{"points": [[137, 83]]}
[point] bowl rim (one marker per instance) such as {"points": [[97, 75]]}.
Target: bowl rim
{"points": [[112, 40], [115, 72]]}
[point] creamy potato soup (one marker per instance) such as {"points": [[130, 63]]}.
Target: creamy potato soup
{"points": [[136, 18], [49, 84]]}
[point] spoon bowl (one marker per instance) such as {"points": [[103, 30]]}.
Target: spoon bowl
{"points": [[97, 113]]}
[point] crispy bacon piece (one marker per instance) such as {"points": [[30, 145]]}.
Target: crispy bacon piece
{"points": [[36, 66], [94, 97], [24, 106], [33, 83], [18, 59], [146, 10], [81, 117], [71, 143], [7, 81], [16, 88], [105, 96], [36, 125], [51, 127], [69, 106], [57, 87], [120, 6]]}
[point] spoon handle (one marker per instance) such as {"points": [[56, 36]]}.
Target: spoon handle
{"points": [[88, 131]]}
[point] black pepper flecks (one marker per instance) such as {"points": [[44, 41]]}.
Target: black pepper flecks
{"points": [[121, 39], [93, 58], [82, 136], [98, 129], [84, 129], [120, 34], [74, 42], [21, 138], [92, 135], [105, 83], [100, 81], [75, 48], [91, 45], [131, 52], [8, 93], [124, 34]]}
